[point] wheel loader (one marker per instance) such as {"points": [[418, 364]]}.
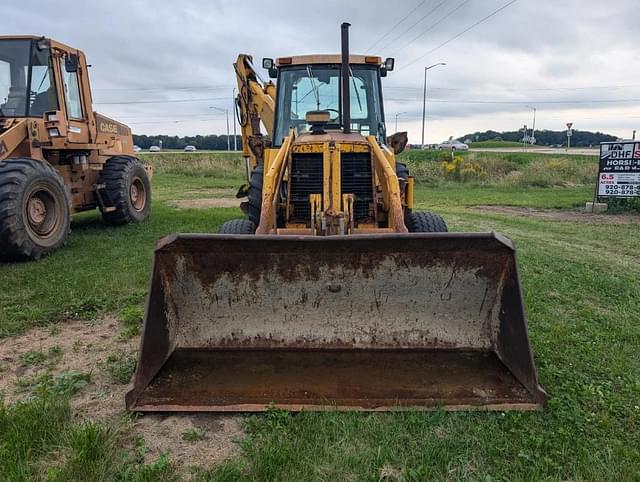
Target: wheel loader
{"points": [[58, 156], [332, 292]]}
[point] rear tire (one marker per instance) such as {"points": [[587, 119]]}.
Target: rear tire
{"points": [[35, 215], [128, 190], [253, 206], [426, 222], [238, 226]]}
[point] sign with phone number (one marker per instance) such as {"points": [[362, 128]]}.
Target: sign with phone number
{"points": [[619, 173]]}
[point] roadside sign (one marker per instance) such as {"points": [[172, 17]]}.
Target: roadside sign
{"points": [[569, 124], [619, 172], [569, 133]]}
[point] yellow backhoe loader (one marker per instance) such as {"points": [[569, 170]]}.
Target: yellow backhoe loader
{"points": [[331, 292], [58, 156]]}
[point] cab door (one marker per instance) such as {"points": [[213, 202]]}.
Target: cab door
{"points": [[77, 118]]}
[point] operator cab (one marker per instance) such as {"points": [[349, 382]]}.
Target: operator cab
{"points": [[309, 84], [27, 86], [28, 78]]}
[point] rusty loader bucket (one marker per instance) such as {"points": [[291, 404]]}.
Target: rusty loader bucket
{"points": [[370, 322]]}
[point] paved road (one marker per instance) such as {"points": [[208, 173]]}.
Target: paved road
{"points": [[578, 151]]}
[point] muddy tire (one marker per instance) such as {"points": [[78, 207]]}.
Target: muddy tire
{"points": [[426, 222], [253, 205], [127, 188], [238, 226], [35, 215], [402, 171]]}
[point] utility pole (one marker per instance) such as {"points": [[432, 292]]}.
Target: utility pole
{"points": [[235, 140], [399, 113], [424, 97]]}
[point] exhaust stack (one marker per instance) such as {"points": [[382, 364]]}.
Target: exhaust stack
{"points": [[346, 101]]}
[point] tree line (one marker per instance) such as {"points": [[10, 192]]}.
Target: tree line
{"points": [[543, 137], [210, 142]]}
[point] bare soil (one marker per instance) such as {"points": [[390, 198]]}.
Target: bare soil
{"points": [[562, 215], [85, 348], [205, 203]]}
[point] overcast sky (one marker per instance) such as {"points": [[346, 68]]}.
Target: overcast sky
{"points": [[574, 60]]}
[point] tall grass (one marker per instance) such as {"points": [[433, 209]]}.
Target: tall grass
{"points": [[200, 164], [495, 169], [427, 167]]}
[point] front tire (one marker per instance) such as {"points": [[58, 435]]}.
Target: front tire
{"points": [[238, 226], [35, 215], [253, 205], [426, 222], [128, 190]]}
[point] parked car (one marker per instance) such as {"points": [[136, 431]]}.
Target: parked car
{"points": [[190, 149], [154, 149], [453, 145], [137, 148]]}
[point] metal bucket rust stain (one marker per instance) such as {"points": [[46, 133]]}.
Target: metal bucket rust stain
{"points": [[368, 322]]}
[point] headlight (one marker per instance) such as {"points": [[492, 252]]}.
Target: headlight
{"points": [[53, 132], [52, 117]]}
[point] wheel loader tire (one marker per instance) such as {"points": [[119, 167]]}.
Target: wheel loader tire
{"points": [[35, 215], [127, 189], [426, 222], [402, 171], [238, 226], [254, 197]]}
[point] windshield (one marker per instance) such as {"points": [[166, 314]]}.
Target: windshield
{"points": [[308, 88], [22, 66]]}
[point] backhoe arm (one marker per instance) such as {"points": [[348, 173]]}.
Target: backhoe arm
{"points": [[255, 104]]}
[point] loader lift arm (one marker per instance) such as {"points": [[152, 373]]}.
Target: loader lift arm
{"points": [[255, 104]]}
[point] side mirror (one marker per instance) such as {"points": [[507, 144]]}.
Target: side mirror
{"points": [[389, 64], [270, 65], [71, 63]]}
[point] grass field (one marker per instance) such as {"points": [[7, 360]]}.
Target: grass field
{"points": [[580, 280]]}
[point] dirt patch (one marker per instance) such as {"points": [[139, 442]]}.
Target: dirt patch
{"points": [[562, 215], [205, 203], [85, 347], [169, 434], [82, 347]]}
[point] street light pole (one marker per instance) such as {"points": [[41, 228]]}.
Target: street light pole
{"points": [[235, 140], [226, 111], [533, 128], [228, 138], [424, 97]]}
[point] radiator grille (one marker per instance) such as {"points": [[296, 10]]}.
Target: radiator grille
{"points": [[356, 178], [305, 179]]}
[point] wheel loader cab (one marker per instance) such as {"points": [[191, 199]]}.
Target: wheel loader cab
{"points": [[27, 85], [309, 87], [44, 79]]}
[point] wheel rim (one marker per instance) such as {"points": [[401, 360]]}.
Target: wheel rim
{"points": [[42, 212], [138, 194]]}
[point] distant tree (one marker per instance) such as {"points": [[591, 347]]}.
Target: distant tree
{"points": [[545, 137], [210, 142]]}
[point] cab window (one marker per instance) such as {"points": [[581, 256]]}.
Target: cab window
{"points": [[43, 90], [71, 93]]}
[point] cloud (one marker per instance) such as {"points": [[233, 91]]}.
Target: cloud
{"points": [[540, 53]]}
